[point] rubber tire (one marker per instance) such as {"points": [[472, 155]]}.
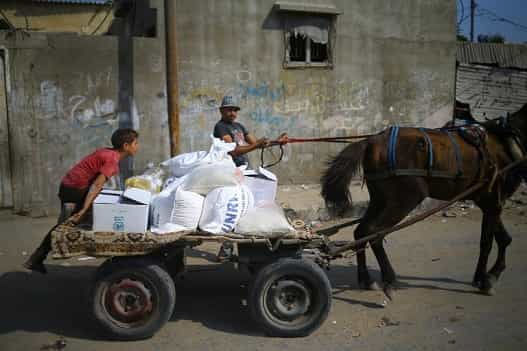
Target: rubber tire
{"points": [[309, 272], [147, 269]]}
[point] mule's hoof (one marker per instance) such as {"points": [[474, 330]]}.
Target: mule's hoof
{"points": [[389, 291], [477, 283], [488, 292], [372, 286]]}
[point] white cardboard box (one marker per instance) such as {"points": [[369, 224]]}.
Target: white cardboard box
{"points": [[113, 212], [262, 183]]}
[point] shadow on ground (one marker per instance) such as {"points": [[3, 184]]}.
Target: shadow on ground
{"points": [[214, 296]]}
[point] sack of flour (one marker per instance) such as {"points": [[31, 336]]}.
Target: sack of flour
{"points": [[183, 164], [267, 219], [162, 204], [187, 209], [207, 177], [223, 207]]}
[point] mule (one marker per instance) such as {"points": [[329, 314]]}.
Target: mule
{"points": [[401, 172]]}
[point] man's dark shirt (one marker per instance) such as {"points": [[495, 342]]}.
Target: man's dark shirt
{"points": [[238, 134]]}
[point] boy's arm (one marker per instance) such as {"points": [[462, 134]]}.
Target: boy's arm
{"points": [[95, 189]]}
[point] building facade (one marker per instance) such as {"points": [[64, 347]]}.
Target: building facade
{"points": [[370, 64], [316, 68]]}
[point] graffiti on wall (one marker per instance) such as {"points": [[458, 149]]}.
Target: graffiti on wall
{"points": [[88, 109], [311, 105], [284, 104]]}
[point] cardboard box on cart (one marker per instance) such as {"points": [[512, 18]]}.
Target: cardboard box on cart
{"points": [[262, 183], [116, 211]]}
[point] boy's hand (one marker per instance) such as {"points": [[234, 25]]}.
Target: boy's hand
{"points": [[77, 217]]}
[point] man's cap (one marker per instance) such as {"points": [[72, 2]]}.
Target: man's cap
{"points": [[229, 101]]}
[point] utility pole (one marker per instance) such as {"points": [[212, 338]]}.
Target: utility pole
{"points": [[125, 41], [472, 11], [172, 81]]}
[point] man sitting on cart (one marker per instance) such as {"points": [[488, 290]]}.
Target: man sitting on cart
{"points": [[82, 183], [231, 131]]}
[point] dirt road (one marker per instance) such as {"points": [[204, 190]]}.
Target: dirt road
{"points": [[435, 309]]}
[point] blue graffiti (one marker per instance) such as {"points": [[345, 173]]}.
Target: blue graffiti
{"points": [[266, 116], [262, 91]]}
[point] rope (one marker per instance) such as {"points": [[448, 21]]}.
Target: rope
{"points": [[344, 139]]}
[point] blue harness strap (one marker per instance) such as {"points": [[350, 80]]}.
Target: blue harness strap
{"points": [[394, 131], [430, 149], [457, 152]]}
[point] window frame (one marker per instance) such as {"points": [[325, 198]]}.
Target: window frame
{"points": [[307, 63], [299, 10]]}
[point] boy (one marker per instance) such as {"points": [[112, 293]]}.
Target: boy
{"points": [[81, 185]]}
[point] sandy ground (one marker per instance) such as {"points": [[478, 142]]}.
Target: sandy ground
{"points": [[435, 309]]}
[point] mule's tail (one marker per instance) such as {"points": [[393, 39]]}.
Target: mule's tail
{"points": [[337, 177]]}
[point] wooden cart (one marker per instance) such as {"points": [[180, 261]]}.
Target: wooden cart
{"points": [[134, 291]]}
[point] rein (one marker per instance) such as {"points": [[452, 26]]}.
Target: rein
{"points": [[348, 139]]}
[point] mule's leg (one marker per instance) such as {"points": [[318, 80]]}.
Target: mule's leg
{"points": [[503, 239], [395, 212], [489, 225], [386, 209], [365, 228]]}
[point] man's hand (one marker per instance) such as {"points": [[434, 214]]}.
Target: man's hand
{"points": [[262, 142], [283, 139]]}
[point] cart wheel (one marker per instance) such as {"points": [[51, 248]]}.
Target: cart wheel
{"points": [[133, 298], [290, 297]]}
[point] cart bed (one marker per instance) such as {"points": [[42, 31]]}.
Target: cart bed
{"points": [[69, 240]]}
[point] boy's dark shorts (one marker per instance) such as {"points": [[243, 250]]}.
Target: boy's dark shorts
{"points": [[72, 195]]}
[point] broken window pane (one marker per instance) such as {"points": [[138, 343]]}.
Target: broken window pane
{"points": [[297, 47], [319, 52], [307, 39]]}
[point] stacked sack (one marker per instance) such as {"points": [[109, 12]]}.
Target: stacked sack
{"points": [[206, 190], [203, 189]]}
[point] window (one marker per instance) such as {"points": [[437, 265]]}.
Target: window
{"points": [[307, 41], [309, 31]]}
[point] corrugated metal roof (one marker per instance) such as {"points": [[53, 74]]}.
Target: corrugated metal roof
{"points": [[80, 2], [500, 55]]}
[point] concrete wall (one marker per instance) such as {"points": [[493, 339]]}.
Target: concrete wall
{"points": [[394, 63], [57, 17], [63, 102], [491, 91]]}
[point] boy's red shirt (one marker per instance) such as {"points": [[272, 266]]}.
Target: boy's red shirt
{"points": [[101, 161]]}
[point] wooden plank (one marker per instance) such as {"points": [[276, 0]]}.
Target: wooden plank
{"points": [[6, 193]]}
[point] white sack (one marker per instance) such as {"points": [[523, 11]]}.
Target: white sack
{"points": [[266, 220], [162, 204], [219, 150], [167, 228], [207, 177], [223, 207], [187, 209], [184, 163]]}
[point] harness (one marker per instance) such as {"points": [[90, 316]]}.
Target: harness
{"points": [[393, 170]]}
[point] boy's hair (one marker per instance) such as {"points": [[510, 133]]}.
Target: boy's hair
{"points": [[122, 136]]}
